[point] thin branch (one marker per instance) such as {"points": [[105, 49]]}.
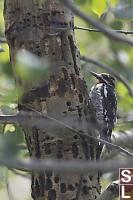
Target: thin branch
{"points": [[99, 31], [22, 169], [111, 192], [67, 166], [9, 119], [19, 174], [110, 70], [42, 120], [106, 30]]}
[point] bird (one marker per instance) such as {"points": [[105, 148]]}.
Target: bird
{"points": [[104, 104]]}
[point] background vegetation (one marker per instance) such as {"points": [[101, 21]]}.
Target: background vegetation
{"points": [[116, 14]]}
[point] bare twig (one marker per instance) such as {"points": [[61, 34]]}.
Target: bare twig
{"points": [[99, 31], [68, 166], [106, 30], [110, 70], [111, 192], [40, 119]]}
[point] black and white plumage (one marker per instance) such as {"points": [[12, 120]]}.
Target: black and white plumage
{"points": [[104, 103]]}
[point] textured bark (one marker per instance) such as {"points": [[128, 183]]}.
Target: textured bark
{"points": [[34, 25]]}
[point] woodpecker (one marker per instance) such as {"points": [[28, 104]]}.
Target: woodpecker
{"points": [[104, 103]]}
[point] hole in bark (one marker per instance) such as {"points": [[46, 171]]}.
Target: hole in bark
{"points": [[65, 73], [47, 149], [80, 98], [70, 63], [59, 155], [75, 137], [68, 103], [56, 179], [90, 177], [48, 174], [37, 188], [42, 183], [28, 20], [51, 194], [64, 112], [70, 187], [85, 190], [47, 138], [76, 184], [53, 12], [84, 181], [63, 187], [49, 184], [63, 12], [79, 111], [53, 53], [73, 80], [75, 150]]}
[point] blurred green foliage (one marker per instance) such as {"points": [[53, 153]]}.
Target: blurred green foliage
{"points": [[94, 45], [124, 9]]}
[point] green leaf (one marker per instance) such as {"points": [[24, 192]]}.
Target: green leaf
{"points": [[98, 6], [113, 2], [124, 9]]}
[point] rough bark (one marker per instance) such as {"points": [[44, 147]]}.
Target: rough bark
{"points": [[34, 25]]}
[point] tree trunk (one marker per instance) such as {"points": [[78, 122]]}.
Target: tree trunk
{"points": [[37, 26]]}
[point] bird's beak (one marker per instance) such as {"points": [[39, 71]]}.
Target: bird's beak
{"points": [[98, 76]]}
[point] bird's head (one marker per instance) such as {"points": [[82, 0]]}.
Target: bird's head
{"points": [[104, 78]]}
